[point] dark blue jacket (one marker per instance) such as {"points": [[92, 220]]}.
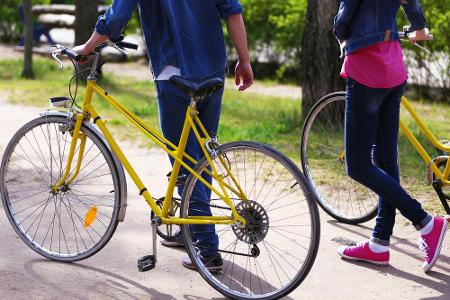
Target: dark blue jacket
{"points": [[362, 23], [182, 33]]}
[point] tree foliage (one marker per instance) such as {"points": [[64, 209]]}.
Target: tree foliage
{"points": [[278, 24], [275, 30], [11, 27], [435, 66]]}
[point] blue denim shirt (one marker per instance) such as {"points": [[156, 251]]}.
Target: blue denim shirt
{"points": [[362, 23], [186, 34]]}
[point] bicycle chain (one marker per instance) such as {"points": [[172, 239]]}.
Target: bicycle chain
{"points": [[254, 252], [237, 253], [221, 207]]}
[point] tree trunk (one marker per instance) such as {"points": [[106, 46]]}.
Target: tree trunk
{"points": [[85, 18], [320, 54], [27, 71]]}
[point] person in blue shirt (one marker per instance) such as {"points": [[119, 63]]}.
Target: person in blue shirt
{"points": [[184, 38]]}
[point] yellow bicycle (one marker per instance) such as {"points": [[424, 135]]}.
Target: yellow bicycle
{"points": [[64, 191], [323, 159]]}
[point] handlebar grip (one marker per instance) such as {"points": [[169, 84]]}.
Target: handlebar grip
{"points": [[72, 54], [127, 45]]}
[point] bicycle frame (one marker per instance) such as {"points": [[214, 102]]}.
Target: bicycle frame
{"points": [[191, 123], [444, 177]]}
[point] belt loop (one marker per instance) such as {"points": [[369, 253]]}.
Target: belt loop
{"points": [[387, 35]]}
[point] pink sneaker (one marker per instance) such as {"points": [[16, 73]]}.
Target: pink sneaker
{"points": [[362, 252], [431, 243]]}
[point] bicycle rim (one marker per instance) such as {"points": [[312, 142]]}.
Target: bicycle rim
{"points": [[273, 253]]}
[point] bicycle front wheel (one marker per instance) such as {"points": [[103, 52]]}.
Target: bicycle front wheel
{"points": [[323, 162], [273, 253], [79, 218]]}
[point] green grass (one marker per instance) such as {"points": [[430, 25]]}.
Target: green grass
{"points": [[245, 116]]}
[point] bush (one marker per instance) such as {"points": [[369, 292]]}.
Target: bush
{"points": [[10, 24], [275, 31], [433, 69]]}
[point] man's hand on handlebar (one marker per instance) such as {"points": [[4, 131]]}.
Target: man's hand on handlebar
{"points": [[88, 47], [83, 50]]}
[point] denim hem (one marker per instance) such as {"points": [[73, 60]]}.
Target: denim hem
{"points": [[380, 241], [423, 223], [369, 40]]}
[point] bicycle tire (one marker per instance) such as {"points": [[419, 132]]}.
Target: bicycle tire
{"points": [[289, 184], [323, 162], [17, 164]]}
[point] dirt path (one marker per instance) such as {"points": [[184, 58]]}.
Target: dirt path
{"points": [[112, 273]]}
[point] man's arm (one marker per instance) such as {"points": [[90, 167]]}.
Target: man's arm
{"points": [[231, 11], [244, 73], [109, 25]]}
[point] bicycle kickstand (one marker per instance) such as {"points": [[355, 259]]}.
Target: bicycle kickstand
{"points": [[148, 262]]}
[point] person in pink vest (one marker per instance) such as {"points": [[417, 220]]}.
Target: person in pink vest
{"points": [[375, 82]]}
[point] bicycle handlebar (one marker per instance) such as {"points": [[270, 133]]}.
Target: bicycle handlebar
{"points": [[404, 34], [119, 45], [127, 45], [71, 53]]}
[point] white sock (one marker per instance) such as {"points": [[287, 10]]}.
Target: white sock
{"points": [[377, 248], [427, 228]]}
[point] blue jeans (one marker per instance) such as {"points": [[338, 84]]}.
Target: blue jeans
{"points": [[371, 137], [172, 105]]}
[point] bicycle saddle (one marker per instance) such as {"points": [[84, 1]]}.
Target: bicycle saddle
{"points": [[197, 89]]}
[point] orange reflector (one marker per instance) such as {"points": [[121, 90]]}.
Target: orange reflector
{"points": [[90, 216]]}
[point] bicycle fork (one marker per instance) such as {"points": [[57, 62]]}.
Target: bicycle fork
{"points": [[68, 177]]}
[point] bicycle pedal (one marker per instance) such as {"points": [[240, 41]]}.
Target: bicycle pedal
{"points": [[146, 263]]}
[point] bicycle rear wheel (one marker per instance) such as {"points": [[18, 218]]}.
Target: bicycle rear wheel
{"points": [[270, 256], [323, 162], [79, 219]]}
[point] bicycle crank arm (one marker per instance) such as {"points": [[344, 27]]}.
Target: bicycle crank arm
{"points": [[148, 262]]}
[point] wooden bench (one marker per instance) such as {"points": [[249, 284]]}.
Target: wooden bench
{"points": [[58, 15]]}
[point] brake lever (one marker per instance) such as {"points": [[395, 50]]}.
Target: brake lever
{"points": [[342, 48], [121, 50], [421, 47], [55, 57]]}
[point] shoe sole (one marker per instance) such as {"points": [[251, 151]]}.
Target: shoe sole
{"points": [[211, 269], [428, 267], [172, 244], [377, 263]]}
